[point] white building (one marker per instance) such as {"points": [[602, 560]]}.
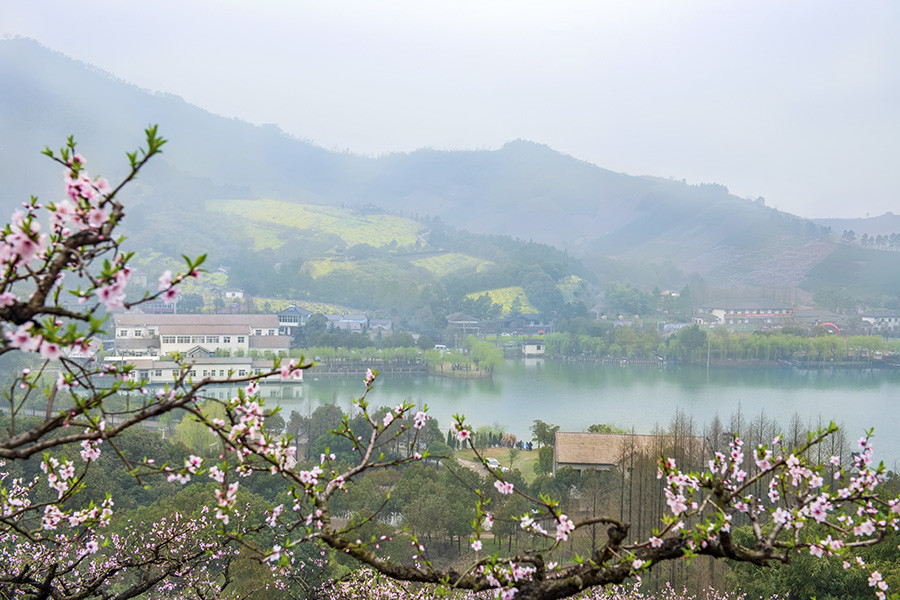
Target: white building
{"points": [[881, 320], [139, 334], [744, 313], [160, 371]]}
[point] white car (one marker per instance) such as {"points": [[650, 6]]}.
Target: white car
{"points": [[495, 464]]}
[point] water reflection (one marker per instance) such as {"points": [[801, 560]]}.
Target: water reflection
{"points": [[575, 396]]}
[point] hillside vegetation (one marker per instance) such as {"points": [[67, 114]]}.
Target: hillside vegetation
{"points": [[270, 218], [254, 193]]}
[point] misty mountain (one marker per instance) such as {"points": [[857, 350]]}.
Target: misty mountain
{"points": [[885, 224], [524, 189]]}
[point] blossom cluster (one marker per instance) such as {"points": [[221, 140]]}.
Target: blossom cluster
{"points": [[796, 494]]}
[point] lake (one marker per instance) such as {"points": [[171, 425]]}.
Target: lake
{"points": [[576, 395]]}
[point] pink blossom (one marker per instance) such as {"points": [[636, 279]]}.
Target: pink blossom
{"points": [[476, 545], [781, 516], [290, 370], [370, 377], [22, 339], [50, 350], [419, 419], [217, 474], [865, 528], [275, 556], [90, 450], [63, 212], [165, 280], [504, 487], [272, 519], [192, 463], [96, 217], [564, 526], [112, 296], [102, 185], [656, 542]]}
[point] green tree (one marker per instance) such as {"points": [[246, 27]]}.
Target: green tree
{"points": [[543, 433], [545, 461]]}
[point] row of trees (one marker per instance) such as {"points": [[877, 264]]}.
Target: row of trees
{"points": [[694, 344]]}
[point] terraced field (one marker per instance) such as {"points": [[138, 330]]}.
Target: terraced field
{"points": [[506, 296], [444, 264], [266, 219], [318, 268]]}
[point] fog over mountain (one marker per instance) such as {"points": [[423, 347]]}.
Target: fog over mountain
{"points": [[524, 189]]}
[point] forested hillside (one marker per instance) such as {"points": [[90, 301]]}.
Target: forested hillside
{"points": [[235, 188]]}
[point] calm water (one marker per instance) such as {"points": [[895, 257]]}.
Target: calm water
{"points": [[575, 396]]}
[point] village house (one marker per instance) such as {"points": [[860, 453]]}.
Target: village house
{"points": [[881, 320], [533, 348], [353, 322], [349, 322], [604, 451], [382, 325], [291, 319]]}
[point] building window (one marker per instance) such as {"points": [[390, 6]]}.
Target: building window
{"points": [[137, 333], [242, 373], [226, 339], [123, 333], [212, 339], [240, 339], [158, 373], [168, 339], [184, 339], [197, 339], [258, 332], [271, 332]]}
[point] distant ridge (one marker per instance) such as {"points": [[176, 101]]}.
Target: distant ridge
{"points": [[524, 189], [885, 224]]}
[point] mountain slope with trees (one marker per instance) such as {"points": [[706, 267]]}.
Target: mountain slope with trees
{"points": [[643, 230]]}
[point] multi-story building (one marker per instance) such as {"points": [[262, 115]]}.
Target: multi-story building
{"points": [[139, 334], [216, 346], [744, 313], [162, 371]]}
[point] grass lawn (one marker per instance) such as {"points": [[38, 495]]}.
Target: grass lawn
{"points": [[525, 462]]}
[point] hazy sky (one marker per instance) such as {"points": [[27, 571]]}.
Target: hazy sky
{"points": [[795, 101]]}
